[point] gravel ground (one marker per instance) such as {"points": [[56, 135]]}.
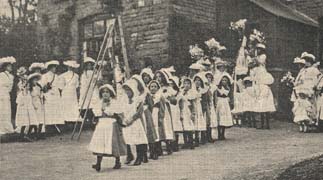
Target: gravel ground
{"points": [[246, 154]]}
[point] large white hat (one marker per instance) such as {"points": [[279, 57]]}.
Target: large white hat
{"points": [[133, 86], [298, 60], [171, 69], [108, 86], [202, 77], [10, 60], [165, 73], [71, 63], [308, 55], [36, 65], [89, 60], [261, 45], [204, 62], [52, 62], [197, 66], [34, 75]]}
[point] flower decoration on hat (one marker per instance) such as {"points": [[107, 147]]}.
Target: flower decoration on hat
{"points": [[239, 25], [21, 71], [196, 52]]}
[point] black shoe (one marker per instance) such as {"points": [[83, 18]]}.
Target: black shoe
{"points": [[129, 159], [145, 158], [97, 167], [117, 166], [137, 162], [155, 157]]}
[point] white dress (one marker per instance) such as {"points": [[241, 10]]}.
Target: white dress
{"points": [[86, 100], [37, 102], [301, 109], [6, 83], [108, 137], [70, 83], [238, 99], [264, 96], [53, 100], [223, 112], [249, 100]]}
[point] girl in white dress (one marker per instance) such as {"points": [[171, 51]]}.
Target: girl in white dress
{"points": [[53, 103], [302, 110], [87, 87], [166, 131], [157, 113], [26, 111], [6, 84], [223, 111], [187, 112], [212, 123], [261, 82], [175, 111], [107, 139], [202, 108], [134, 133], [70, 84]]}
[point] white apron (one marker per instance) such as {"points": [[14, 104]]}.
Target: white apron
{"points": [[86, 100]]}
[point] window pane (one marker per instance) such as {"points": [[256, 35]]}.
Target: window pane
{"points": [[88, 31], [99, 28]]}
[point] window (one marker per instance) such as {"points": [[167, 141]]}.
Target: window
{"points": [[99, 28], [88, 31]]}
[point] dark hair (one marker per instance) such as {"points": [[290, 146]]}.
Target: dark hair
{"points": [[220, 84], [155, 83], [202, 83], [310, 60], [148, 61], [164, 81], [261, 51]]}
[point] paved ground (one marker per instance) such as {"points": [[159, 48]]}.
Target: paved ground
{"points": [[247, 154]]}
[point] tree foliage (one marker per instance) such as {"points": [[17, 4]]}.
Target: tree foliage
{"points": [[18, 36]]}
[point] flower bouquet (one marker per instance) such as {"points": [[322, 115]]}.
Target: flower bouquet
{"points": [[288, 79], [239, 25], [257, 37]]}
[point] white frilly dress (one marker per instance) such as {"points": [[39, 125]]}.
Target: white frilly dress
{"points": [[301, 110]]}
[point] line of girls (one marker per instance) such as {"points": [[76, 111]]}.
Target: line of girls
{"points": [[44, 97], [151, 109]]}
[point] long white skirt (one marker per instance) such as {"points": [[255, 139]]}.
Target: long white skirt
{"points": [[108, 139], [135, 133], [26, 114], [177, 124], [70, 105], [5, 114], [238, 103], [188, 124], [53, 109], [200, 121], [213, 121], [155, 120], [223, 113], [264, 99]]}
